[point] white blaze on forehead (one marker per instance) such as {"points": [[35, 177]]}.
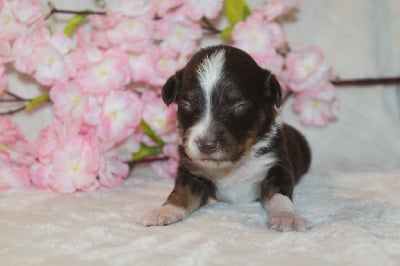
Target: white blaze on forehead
{"points": [[209, 72]]}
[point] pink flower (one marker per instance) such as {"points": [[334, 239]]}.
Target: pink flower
{"points": [[12, 175], [75, 166], [116, 117], [307, 68], [16, 16], [273, 9], [131, 145], [112, 170], [25, 11], [271, 60], [54, 137], [69, 100], [165, 65], [3, 78], [14, 144], [67, 161], [257, 36], [9, 132], [15, 155], [196, 9], [131, 33], [161, 118], [6, 51], [50, 65], [161, 7], [44, 56], [111, 72], [167, 169], [141, 64], [179, 34], [22, 49], [86, 55], [121, 114], [316, 107], [129, 8]]}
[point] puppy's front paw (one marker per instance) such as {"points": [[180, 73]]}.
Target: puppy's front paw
{"points": [[165, 215], [287, 221]]}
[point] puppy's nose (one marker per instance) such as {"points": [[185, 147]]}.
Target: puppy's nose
{"points": [[207, 145]]}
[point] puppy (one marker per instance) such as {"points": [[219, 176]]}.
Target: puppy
{"points": [[233, 147]]}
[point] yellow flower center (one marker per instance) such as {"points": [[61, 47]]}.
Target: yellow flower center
{"points": [[8, 18], [179, 33], [315, 104], [103, 73], [255, 38], [74, 168], [114, 114], [160, 121], [5, 147], [129, 25], [163, 64], [76, 102], [51, 60]]}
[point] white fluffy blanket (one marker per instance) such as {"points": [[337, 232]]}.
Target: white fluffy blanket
{"points": [[355, 217]]}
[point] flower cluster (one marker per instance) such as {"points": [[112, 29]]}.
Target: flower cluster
{"points": [[303, 71], [104, 85]]}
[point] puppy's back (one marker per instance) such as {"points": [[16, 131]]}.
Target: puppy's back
{"points": [[298, 150]]}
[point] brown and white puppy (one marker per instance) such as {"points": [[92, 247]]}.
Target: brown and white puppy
{"points": [[233, 147]]}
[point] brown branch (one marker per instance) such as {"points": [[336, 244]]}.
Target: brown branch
{"points": [[11, 112], [17, 97], [147, 160], [54, 10], [207, 25], [367, 82], [356, 82]]}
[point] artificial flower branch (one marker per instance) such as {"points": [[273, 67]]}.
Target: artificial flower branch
{"points": [[367, 81], [211, 29], [337, 82], [54, 10]]}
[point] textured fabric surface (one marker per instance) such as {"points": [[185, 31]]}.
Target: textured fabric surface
{"points": [[351, 195], [355, 219]]}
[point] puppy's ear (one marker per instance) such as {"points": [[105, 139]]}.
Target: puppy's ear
{"points": [[172, 87], [273, 90]]}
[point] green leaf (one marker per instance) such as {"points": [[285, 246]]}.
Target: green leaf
{"points": [[145, 151], [148, 131], [73, 24], [226, 33], [236, 10], [36, 101]]}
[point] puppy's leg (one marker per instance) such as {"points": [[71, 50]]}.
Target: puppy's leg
{"points": [[189, 194], [276, 194]]}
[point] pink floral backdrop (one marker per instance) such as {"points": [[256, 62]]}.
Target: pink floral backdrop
{"points": [[103, 74]]}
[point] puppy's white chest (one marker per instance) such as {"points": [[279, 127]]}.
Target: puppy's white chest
{"points": [[243, 184]]}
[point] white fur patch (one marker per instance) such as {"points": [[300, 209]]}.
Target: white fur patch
{"points": [[279, 203], [209, 72], [242, 184], [269, 136], [164, 215], [281, 215]]}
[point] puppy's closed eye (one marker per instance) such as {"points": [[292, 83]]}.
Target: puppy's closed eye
{"points": [[186, 106], [241, 107]]}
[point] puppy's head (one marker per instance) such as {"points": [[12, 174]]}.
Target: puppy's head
{"points": [[226, 102]]}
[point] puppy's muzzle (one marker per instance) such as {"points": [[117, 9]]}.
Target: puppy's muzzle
{"points": [[207, 145]]}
